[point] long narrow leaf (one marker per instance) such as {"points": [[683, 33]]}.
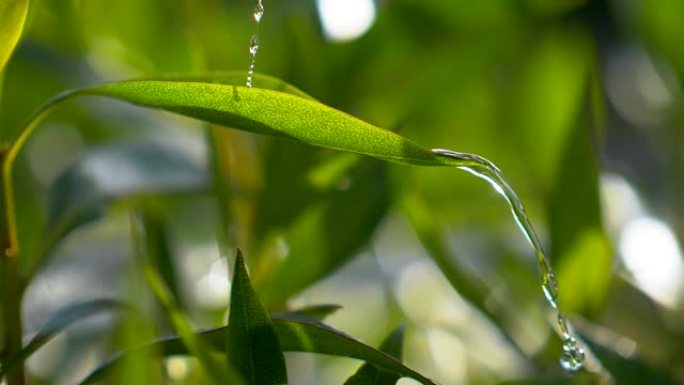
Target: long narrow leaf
{"points": [[62, 319], [294, 336], [261, 111], [252, 346], [368, 374]]}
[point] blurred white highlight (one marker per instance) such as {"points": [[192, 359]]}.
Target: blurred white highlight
{"points": [[213, 289], [650, 252], [648, 247], [345, 20]]}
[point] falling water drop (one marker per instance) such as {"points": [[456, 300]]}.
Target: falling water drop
{"points": [[253, 46], [573, 356], [259, 12]]}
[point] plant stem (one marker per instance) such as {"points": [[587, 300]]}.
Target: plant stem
{"points": [[10, 289]]}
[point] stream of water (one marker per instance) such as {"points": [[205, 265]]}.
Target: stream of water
{"points": [[254, 41], [573, 356]]}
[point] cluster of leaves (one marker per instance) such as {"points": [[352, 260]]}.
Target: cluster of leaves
{"points": [[326, 205], [253, 343]]}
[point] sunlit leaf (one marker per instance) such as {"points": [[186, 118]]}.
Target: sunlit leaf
{"points": [[252, 347], [259, 111], [59, 321], [369, 374], [294, 336], [250, 109], [12, 18]]}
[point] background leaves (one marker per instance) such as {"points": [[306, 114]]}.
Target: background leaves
{"points": [[566, 97]]}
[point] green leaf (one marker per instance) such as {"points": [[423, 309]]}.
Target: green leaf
{"points": [[261, 111], [12, 18], [294, 336], [158, 251], [368, 374], [576, 228], [329, 231], [255, 110], [631, 369], [62, 319], [252, 346]]}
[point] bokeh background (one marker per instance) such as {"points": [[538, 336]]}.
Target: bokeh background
{"points": [[578, 102]]}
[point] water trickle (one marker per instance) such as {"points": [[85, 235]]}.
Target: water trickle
{"points": [[573, 356], [254, 41]]}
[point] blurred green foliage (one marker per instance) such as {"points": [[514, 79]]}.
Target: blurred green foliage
{"points": [[559, 94]]}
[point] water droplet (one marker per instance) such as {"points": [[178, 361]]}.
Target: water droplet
{"points": [[253, 49], [259, 12], [254, 45], [573, 356]]}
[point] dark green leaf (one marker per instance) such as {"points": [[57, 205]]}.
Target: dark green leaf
{"points": [[294, 336], [368, 374], [62, 319], [576, 226], [315, 313], [252, 346], [319, 240], [158, 251], [631, 370]]}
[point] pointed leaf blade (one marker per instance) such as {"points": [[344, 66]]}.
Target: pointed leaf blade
{"points": [[252, 345]]}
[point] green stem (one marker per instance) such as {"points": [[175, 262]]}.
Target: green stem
{"points": [[11, 287], [219, 159]]}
